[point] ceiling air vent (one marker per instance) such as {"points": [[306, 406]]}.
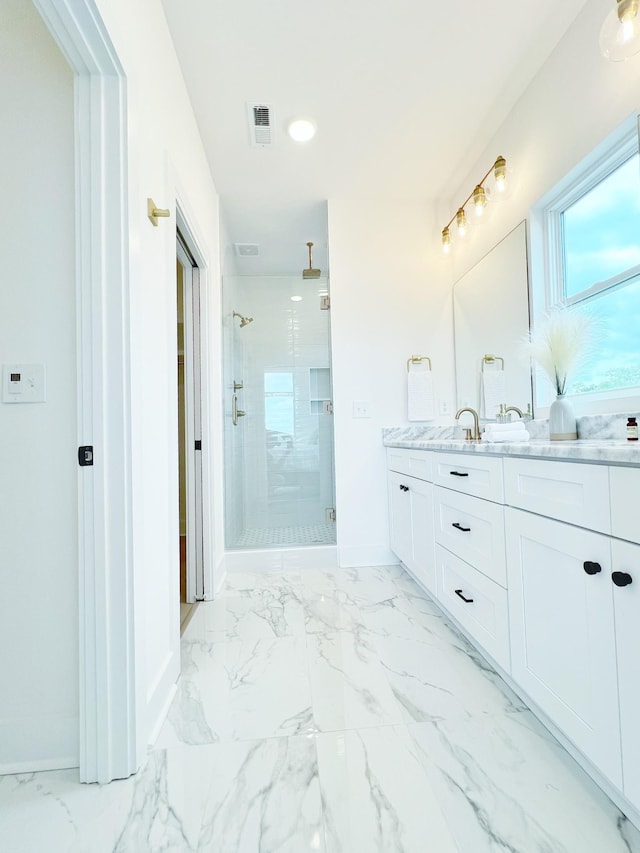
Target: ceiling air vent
{"points": [[247, 250], [260, 124]]}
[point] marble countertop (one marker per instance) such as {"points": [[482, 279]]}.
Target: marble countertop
{"points": [[605, 451]]}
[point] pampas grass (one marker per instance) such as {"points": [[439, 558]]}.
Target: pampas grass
{"points": [[559, 342]]}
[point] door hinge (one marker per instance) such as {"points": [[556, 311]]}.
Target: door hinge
{"points": [[85, 455], [325, 303], [330, 514], [198, 443], [327, 407]]}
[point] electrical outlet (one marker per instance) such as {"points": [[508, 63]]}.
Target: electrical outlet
{"points": [[445, 407]]}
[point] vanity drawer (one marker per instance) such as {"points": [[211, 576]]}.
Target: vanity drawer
{"points": [[484, 614], [472, 529], [569, 491], [471, 473], [625, 520], [415, 463]]}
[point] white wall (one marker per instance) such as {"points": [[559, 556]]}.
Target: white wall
{"points": [[166, 161], [390, 299], [38, 468], [391, 284], [575, 101]]}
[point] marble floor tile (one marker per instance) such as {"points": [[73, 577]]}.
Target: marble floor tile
{"points": [[254, 615], [229, 798], [436, 680], [240, 690], [377, 796], [336, 711], [504, 783], [160, 808], [265, 797], [349, 688]]}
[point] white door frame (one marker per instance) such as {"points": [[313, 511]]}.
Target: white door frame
{"points": [[193, 423], [204, 579], [108, 745]]}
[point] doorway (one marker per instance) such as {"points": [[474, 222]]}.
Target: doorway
{"points": [[189, 432]]}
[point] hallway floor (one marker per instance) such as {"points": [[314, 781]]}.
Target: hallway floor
{"points": [[329, 711]]}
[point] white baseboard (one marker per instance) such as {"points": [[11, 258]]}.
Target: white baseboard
{"points": [[32, 744], [365, 555], [159, 722], [282, 559]]}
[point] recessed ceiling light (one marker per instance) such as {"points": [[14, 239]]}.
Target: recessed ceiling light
{"points": [[302, 130], [296, 298]]}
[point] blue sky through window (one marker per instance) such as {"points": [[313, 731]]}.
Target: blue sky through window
{"points": [[601, 240], [602, 230]]}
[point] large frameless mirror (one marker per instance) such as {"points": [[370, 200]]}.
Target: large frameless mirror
{"points": [[491, 318]]}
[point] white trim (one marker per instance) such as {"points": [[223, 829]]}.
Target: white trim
{"points": [[26, 743], [359, 556], [281, 559], [592, 170], [206, 582], [108, 747], [192, 417]]}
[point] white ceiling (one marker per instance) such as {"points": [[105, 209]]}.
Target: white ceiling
{"points": [[404, 93]]}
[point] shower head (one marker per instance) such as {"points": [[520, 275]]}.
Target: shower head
{"points": [[310, 273], [244, 321]]}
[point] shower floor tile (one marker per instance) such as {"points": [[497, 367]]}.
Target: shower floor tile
{"points": [[304, 534]]}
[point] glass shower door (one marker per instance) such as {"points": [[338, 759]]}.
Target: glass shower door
{"points": [[287, 480]]}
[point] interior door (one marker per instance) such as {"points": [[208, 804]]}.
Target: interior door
{"points": [[189, 422]]}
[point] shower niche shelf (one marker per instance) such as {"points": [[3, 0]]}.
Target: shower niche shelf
{"points": [[319, 390]]}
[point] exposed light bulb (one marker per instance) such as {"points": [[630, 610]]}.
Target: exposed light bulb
{"points": [[461, 222], [479, 200], [620, 33], [296, 298], [446, 240], [500, 173]]}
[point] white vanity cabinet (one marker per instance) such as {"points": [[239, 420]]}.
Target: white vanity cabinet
{"points": [[470, 551], [574, 605], [563, 650], [411, 512], [539, 561], [625, 563]]}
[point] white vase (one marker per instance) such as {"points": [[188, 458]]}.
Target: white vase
{"points": [[562, 420]]}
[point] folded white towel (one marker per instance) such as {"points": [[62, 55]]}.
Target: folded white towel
{"points": [[508, 427], [420, 403], [509, 435], [493, 392]]}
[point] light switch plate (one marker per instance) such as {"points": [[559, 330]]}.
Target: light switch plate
{"points": [[361, 409], [23, 383]]}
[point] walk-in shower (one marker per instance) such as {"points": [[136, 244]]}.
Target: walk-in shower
{"points": [[279, 483]]}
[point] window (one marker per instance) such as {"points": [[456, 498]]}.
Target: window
{"points": [[278, 402], [591, 228]]}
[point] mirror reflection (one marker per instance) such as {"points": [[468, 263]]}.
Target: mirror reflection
{"points": [[491, 317]]}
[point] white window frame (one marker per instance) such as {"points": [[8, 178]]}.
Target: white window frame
{"points": [[547, 273]]}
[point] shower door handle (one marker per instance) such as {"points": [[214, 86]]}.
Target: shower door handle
{"points": [[235, 411]]}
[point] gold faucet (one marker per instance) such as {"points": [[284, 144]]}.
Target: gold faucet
{"points": [[475, 435], [514, 409]]}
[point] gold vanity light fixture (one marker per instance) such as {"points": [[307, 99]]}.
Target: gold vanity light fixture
{"points": [[479, 198], [620, 32]]}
